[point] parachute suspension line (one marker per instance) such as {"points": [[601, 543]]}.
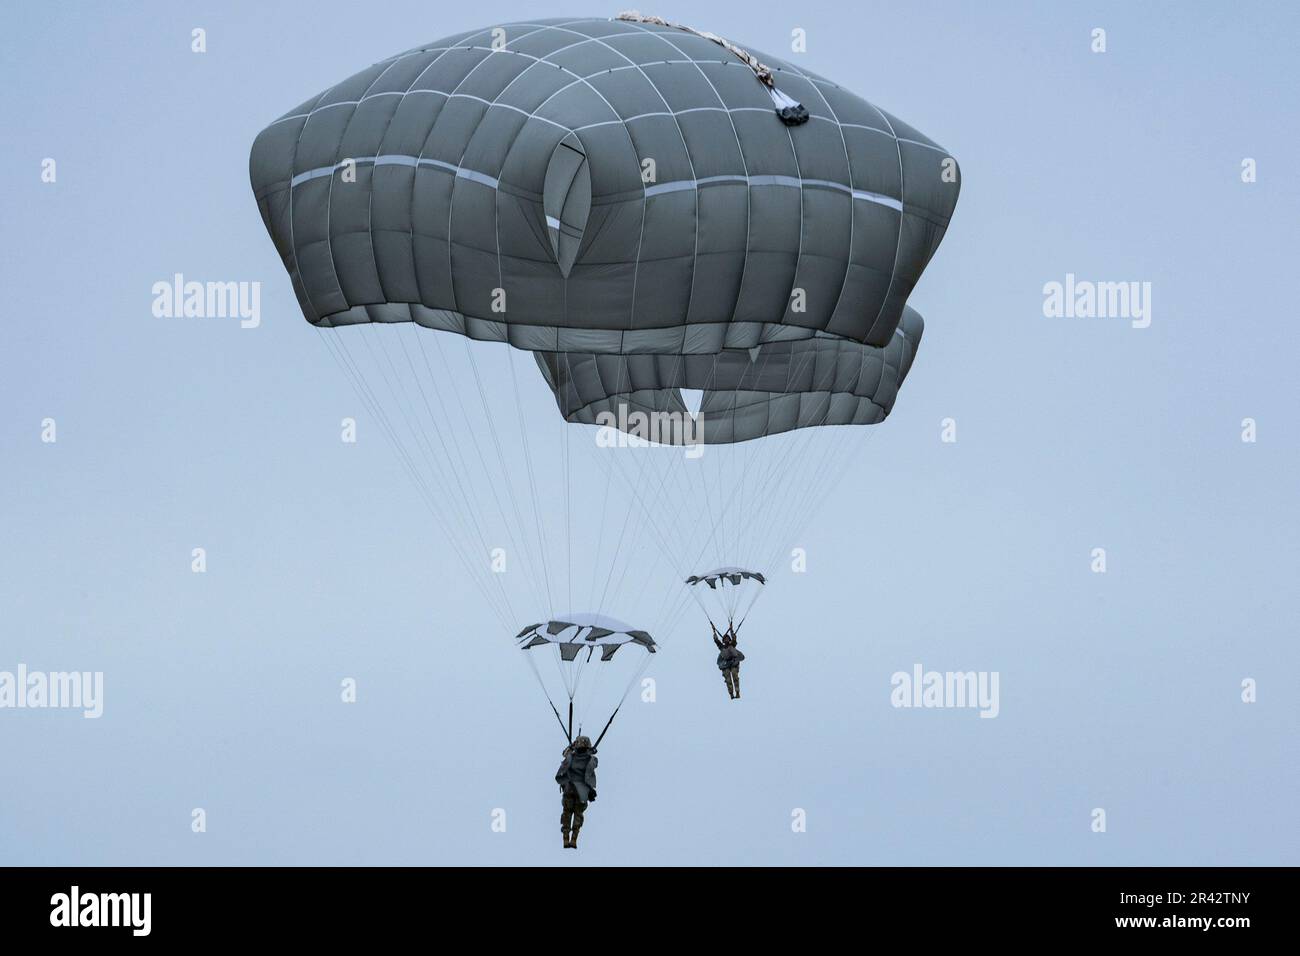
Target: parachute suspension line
{"points": [[532, 480], [589, 687], [583, 663], [614, 558], [726, 506], [743, 610], [673, 614], [605, 730], [776, 520], [782, 504], [670, 611], [635, 519], [569, 680], [644, 458], [338, 350], [649, 508], [744, 600], [604, 511], [675, 466], [717, 514], [368, 398], [620, 587], [567, 731], [785, 476], [604, 506], [638, 488], [407, 404], [436, 428], [796, 517], [636, 676], [739, 483], [720, 537], [744, 455], [692, 589], [830, 471], [647, 577], [665, 547], [670, 616], [568, 515], [370, 403], [618, 553], [641, 519], [440, 503], [504, 472], [813, 506], [732, 600], [729, 546], [404, 403], [573, 676], [792, 520], [664, 625], [798, 441], [794, 442], [719, 528], [627, 517], [755, 480], [681, 561], [731, 516], [532, 665], [646, 514]]}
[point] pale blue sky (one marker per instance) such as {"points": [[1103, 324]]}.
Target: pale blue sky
{"points": [[1119, 691]]}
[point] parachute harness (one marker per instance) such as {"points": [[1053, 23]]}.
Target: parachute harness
{"points": [[790, 112]]}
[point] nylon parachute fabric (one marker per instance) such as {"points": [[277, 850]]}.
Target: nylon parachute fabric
{"points": [[599, 185]]}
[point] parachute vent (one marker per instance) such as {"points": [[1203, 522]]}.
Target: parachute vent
{"points": [[566, 199]]}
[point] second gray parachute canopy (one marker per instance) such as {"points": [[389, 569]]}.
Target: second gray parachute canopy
{"points": [[747, 393], [599, 185]]}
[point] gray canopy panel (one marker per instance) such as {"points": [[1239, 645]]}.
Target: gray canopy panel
{"points": [[499, 193], [748, 393]]}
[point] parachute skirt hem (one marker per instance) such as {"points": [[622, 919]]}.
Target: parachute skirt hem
{"points": [[698, 339]]}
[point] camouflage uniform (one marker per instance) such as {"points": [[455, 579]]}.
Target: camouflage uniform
{"points": [[731, 677], [729, 658], [577, 780], [571, 815]]}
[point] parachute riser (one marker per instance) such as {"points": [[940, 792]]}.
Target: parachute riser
{"points": [[607, 725], [568, 732]]}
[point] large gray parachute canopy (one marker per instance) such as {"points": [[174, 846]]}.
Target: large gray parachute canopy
{"points": [[597, 185], [575, 633], [747, 393]]}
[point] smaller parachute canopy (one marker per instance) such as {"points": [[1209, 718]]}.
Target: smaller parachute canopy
{"points": [[571, 633], [724, 576]]}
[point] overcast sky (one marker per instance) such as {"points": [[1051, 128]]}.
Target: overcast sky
{"points": [[1119, 691]]}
